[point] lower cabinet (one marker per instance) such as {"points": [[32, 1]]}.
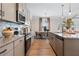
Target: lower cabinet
{"points": [[56, 43], [19, 47], [10, 53], [59, 47], [53, 42], [15, 48], [64, 46], [71, 47], [7, 50], [51, 38]]}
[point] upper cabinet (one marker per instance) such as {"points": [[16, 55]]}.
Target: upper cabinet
{"points": [[20, 7], [9, 11], [14, 12]]}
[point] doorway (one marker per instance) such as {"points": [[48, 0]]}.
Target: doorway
{"points": [[44, 24]]}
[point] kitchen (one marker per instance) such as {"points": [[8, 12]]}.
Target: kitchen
{"points": [[48, 26]]}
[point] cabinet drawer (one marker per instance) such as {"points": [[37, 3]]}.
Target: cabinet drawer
{"points": [[5, 49], [10, 53], [59, 47]]}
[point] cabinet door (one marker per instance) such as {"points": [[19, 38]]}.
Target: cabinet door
{"points": [[50, 38], [20, 7], [19, 47], [71, 47], [59, 47], [9, 10], [9, 54], [53, 42], [7, 50]]}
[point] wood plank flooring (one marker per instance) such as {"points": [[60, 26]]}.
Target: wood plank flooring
{"points": [[40, 47]]}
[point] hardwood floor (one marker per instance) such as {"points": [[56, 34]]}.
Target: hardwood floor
{"points": [[40, 47]]}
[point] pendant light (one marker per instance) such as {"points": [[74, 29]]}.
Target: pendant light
{"points": [[62, 8], [62, 16], [70, 9]]}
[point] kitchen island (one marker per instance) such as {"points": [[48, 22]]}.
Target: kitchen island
{"points": [[64, 44]]}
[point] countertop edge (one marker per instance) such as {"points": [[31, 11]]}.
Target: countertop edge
{"points": [[12, 40]]}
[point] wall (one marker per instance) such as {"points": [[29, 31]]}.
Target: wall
{"points": [[35, 24], [55, 24]]}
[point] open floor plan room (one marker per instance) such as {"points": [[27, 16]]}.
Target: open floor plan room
{"points": [[39, 29]]}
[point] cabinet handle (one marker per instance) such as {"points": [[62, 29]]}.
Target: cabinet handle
{"points": [[3, 51]]}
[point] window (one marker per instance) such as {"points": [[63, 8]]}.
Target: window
{"points": [[44, 24]]}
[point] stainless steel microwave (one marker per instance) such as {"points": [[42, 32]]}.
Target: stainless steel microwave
{"points": [[20, 18]]}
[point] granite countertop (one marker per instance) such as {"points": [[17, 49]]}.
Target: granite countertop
{"points": [[3, 42], [76, 35]]}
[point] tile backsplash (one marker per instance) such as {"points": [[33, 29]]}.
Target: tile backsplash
{"points": [[3, 25]]}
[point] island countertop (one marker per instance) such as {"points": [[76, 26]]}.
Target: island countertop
{"points": [[64, 44], [76, 35]]}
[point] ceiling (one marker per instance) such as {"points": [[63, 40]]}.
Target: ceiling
{"points": [[52, 9]]}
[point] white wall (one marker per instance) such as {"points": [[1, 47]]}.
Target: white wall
{"points": [[76, 23], [52, 9], [35, 24], [55, 23]]}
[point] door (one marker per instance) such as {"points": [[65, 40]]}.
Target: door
{"points": [[44, 24]]}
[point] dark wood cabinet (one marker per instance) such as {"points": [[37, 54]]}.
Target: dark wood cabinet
{"points": [[52, 42], [59, 46], [64, 46], [56, 43]]}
